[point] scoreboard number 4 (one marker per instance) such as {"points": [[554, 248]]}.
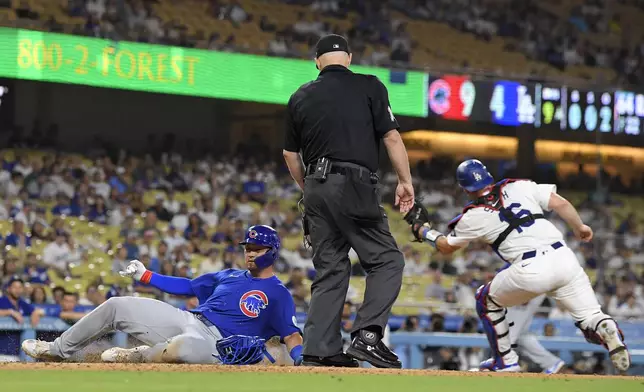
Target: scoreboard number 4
{"points": [[497, 103]]}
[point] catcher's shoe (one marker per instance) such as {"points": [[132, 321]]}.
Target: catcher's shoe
{"points": [[613, 340], [556, 368], [124, 355], [490, 365], [39, 349]]}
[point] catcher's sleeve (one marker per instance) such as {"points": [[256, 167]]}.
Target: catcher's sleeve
{"points": [[465, 231]]}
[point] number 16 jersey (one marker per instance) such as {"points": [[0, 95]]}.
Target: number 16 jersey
{"points": [[484, 221]]}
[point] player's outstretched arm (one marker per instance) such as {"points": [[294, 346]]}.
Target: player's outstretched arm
{"points": [[569, 214], [437, 240], [168, 284], [421, 227]]}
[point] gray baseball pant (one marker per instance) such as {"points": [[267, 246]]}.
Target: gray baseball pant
{"points": [[174, 335], [526, 341]]}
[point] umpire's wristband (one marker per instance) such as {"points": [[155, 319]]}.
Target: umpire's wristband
{"points": [[296, 353]]}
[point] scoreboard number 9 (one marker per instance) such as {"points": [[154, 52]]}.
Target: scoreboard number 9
{"points": [[467, 94]]}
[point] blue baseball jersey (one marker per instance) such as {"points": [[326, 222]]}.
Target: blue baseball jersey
{"points": [[239, 304]]}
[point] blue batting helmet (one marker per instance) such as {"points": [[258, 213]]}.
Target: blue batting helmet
{"points": [[472, 175], [263, 235]]}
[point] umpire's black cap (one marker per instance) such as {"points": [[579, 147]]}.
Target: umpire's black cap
{"points": [[331, 43]]}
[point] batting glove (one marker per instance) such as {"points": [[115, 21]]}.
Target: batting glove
{"points": [[137, 271]]}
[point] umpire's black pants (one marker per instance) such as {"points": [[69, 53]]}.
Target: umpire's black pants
{"points": [[333, 234]]}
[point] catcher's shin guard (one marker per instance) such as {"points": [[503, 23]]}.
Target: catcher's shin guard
{"points": [[496, 327]]}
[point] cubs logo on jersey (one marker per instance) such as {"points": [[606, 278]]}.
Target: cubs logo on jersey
{"points": [[252, 302]]}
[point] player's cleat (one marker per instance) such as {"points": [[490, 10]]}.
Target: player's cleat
{"points": [[489, 365], [556, 368], [38, 349], [339, 360], [124, 355], [614, 341]]}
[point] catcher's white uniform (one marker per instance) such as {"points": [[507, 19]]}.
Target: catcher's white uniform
{"points": [[540, 262]]}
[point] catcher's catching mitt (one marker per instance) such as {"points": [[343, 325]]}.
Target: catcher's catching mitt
{"points": [[417, 217]]}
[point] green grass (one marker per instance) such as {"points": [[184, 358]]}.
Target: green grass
{"points": [[90, 381]]}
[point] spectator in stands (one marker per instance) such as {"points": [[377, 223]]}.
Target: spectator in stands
{"points": [[147, 246], [277, 46], [300, 295], [208, 215], [411, 324], [301, 258], [93, 296], [120, 260], [194, 228], [56, 254], [414, 266], [35, 272], [131, 246], [173, 238], [69, 311], [161, 212], [98, 211], [180, 219], [235, 13], [18, 237], [116, 216], [13, 186], [631, 309], [271, 214], [212, 262], [549, 330], [38, 296], [9, 270], [62, 206], [13, 305], [435, 290], [265, 25], [58, 293], [170, 203]]}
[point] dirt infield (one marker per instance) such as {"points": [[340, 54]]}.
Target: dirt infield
{"points": [[278, 369]]}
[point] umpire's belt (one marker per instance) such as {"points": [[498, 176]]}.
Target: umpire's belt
{"points": [[533, 253], [204, 320], [347, 169]]}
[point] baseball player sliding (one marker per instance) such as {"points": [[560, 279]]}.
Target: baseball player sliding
{"points": [[238, 311], [508, 215]]}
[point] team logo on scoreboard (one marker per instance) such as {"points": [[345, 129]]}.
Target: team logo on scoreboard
{"points": [[438, 96]]}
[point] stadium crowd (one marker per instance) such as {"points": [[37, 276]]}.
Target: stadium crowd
{"points": [[534, 28]]}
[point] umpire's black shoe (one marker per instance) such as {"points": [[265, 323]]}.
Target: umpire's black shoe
{"points": [[367, 346], [338, 360]]}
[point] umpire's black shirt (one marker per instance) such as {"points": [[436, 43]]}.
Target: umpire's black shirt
{"points": [[341, 116]]}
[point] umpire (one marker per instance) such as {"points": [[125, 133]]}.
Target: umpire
{"points": [[337, 122]]}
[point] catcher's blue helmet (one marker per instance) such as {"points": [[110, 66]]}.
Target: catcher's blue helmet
{"points": [[472, 175], [263, 235]]}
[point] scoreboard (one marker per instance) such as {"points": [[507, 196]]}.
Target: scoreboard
{"points": [[628, 112], [552, 107]]}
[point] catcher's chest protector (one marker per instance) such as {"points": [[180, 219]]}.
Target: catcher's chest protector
{"points": [[494, 201]]}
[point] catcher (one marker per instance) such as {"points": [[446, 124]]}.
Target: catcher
{"points": [[238, 312], [509, 216]]}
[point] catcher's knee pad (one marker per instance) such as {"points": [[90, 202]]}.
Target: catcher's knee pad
{"points": [[494, 323]]}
